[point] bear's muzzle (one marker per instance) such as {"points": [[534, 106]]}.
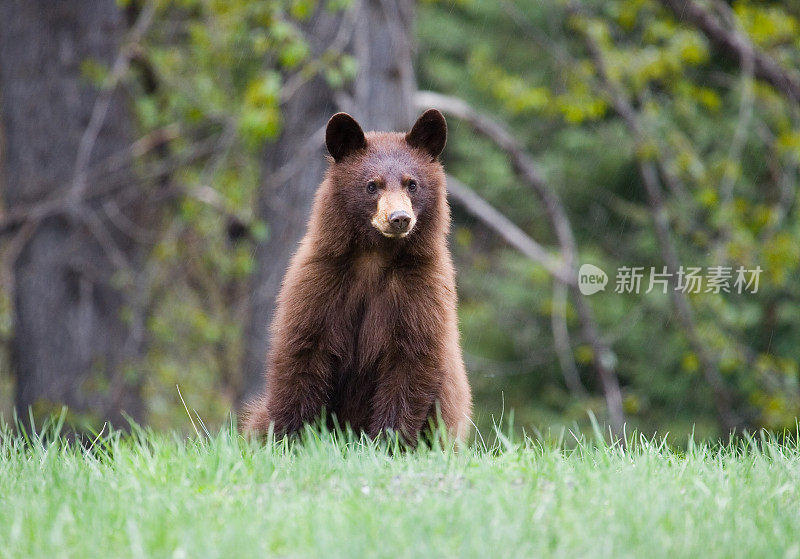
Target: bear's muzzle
{"points": [[394, 217]]}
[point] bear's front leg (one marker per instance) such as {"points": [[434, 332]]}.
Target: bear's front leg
{"points": [[298, 388], [404, 397]]}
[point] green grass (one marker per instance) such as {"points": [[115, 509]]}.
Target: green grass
{"points": [[160, 495]]}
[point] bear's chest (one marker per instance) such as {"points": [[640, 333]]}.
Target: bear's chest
{"points": [[365, 331], [375, 311], [386, 317]]}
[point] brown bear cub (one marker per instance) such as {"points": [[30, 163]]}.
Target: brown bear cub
{"points": [[365, 327]]}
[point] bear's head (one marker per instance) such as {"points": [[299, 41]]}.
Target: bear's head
{"points": [[388, 186]]}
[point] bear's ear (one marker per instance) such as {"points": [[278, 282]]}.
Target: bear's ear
{"points": [[429, 133], [343, 136]]}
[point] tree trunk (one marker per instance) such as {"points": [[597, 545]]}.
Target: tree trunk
{"points": [[384, 88], [381, 99], [76, 338]]}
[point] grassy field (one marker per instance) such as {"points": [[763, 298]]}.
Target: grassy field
{"points": [[160, 495]]}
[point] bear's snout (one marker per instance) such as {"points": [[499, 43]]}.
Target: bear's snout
{"points": [[399, 221], [394, 217]]}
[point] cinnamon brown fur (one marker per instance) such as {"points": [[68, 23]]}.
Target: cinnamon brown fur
{"points": [[365, 325]]}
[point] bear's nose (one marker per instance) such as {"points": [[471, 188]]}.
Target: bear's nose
{"points": [[400, 220]]}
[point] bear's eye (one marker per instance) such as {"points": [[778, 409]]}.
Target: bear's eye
{"points": [[372, 186], [412, 185]]}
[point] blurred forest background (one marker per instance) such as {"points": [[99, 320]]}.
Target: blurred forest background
{"points": [[159, 159]]}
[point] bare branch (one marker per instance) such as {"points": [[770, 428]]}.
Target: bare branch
{"points": [[105, 239], [746, 102], [729, 40], [61, 201], [513, 235], [103, 101], [126, 225], [563, 346]]}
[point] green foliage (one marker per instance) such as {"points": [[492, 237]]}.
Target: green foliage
{"points": [[730, 141]]}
